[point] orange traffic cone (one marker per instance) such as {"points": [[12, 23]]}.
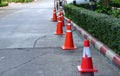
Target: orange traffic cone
{"points": [[59, 28], [62, 18], [68, 25], [69, 44], [54, 19], [86, 67], [59, 14], [58, 17]]}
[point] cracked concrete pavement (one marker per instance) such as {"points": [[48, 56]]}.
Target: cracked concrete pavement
{"points": [[28, 46]]}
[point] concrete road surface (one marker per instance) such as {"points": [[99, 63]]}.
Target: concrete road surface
{"points": [[28, 46]]}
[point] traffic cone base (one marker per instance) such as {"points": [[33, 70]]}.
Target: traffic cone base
{"points": [[68, 44], [68, 48], [86, 70]]}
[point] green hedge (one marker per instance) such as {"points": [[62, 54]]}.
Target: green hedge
{"points": [[105, 28]]}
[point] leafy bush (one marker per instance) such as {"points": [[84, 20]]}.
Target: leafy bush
{"points": [[21, 0], [115, 3], [107, 10], [116, 13], [102, 9], [105, 28], [87, 6], [4, 4]]}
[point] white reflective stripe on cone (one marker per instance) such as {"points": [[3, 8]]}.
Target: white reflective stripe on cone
{"points": [[59, 21], [68, 31], [86, 52], [69, 24]]}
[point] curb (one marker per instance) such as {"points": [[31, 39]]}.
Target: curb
{"points": [[106, 51]]}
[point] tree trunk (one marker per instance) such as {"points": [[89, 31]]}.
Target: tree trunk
{"points": [[0, 1], [106, 3]]}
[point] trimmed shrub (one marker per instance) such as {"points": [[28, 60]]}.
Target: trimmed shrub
{"points": [[105, 28]]}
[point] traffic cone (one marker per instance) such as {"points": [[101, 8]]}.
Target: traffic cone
{"points": [[59, 14], [59, 17], [62, 18], [86, 68], [68, 44], [59, 28], [54, 19], [68, 26]]}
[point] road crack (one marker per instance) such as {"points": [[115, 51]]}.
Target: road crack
{"points": [[22, 64]]}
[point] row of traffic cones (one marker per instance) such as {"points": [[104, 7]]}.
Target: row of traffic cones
{"points": [[59, 26], [68, 44], [86, 68], [55, 18]]}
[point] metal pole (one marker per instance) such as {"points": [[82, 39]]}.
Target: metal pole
{"points": [[91, 3], [74, 2]]}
